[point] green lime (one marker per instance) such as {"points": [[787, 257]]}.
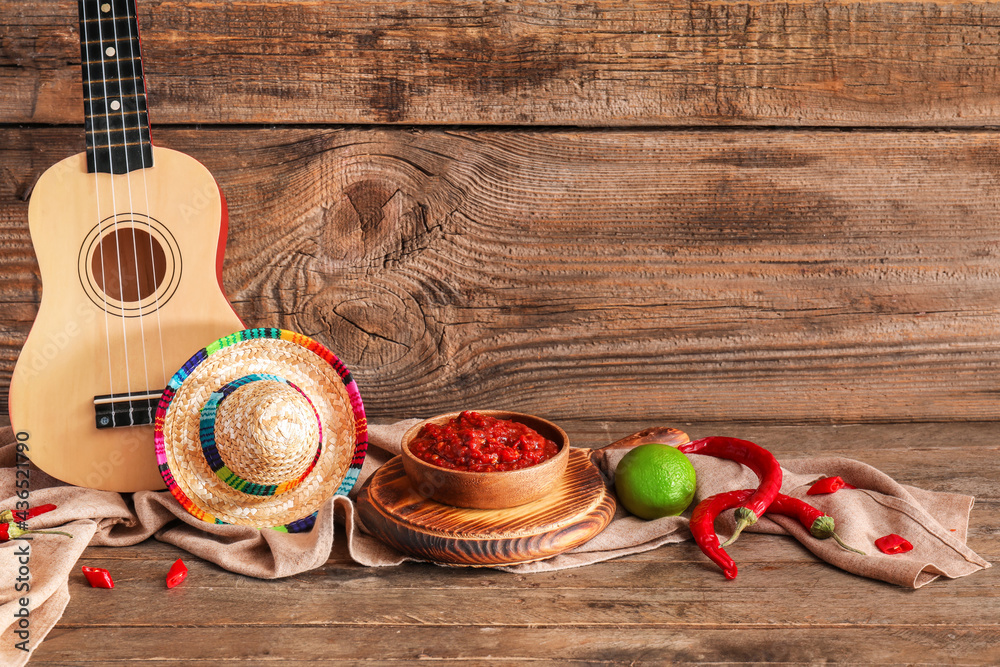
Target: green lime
{"points": [[655, 480]]}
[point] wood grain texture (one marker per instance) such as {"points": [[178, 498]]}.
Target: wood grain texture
{"points": [[696, 275], [646, 62], [545, 646], [666, 606], [609, 280], [577, 509]]}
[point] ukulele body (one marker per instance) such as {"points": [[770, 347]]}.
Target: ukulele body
{"points": [[131, 268]]}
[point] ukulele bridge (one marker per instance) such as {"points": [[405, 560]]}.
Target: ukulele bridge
{"points": [[119, 410]]}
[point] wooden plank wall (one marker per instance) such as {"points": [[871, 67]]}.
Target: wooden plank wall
{"points": [[656, 210]]}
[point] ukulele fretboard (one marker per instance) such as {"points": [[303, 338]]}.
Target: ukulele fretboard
{"points": [[114, 94]]}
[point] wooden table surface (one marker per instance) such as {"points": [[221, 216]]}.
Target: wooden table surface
{"points": [[666, 606], [774, 219]]}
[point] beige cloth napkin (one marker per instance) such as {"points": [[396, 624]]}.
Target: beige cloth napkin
{"points": [[935, 523]]}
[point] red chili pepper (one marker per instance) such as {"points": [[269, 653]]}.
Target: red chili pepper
{"points": [[10, 531], [98, 577], [20, 516], [818, 524], [893, 544], [178, 573], [703, 518], [752, 456], [702, 526], [828, 485]]}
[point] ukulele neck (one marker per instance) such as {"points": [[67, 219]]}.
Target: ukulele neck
{"points": [[114, 92]]}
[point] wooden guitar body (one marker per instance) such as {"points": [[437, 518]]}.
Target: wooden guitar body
{"points": [[131, 274]]}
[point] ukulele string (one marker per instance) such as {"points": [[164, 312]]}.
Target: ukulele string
{"points": [[138, 82], [114, 202], [128, 181], [97, 197]]}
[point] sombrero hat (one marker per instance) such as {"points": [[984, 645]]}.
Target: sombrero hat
{"points": [[259, 429]]}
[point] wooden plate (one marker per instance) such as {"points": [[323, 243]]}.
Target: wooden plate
{"points": [[575, 511]]}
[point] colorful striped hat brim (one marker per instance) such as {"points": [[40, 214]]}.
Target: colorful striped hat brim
{"points": [[260, 428]]}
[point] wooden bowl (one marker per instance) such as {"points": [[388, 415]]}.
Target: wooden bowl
{"points": [[487, 490]]}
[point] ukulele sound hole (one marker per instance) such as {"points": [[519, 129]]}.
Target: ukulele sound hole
{"points": [[128, 264]]}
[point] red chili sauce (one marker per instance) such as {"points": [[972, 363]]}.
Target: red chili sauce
{"points": [[480, 443]]}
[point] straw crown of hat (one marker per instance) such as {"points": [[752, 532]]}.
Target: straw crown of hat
{"points": [[260, 428], [267, 431]]}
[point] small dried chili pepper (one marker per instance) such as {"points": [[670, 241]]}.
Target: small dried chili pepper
{"points": [[893, 544], [818, 524], [828, 485], [98, 577], [702, 527], [178, 573], [752, 456], [20, 516], [10, 531]]}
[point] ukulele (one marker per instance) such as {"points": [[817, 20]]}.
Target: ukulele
{"points": [[129, 240]]}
